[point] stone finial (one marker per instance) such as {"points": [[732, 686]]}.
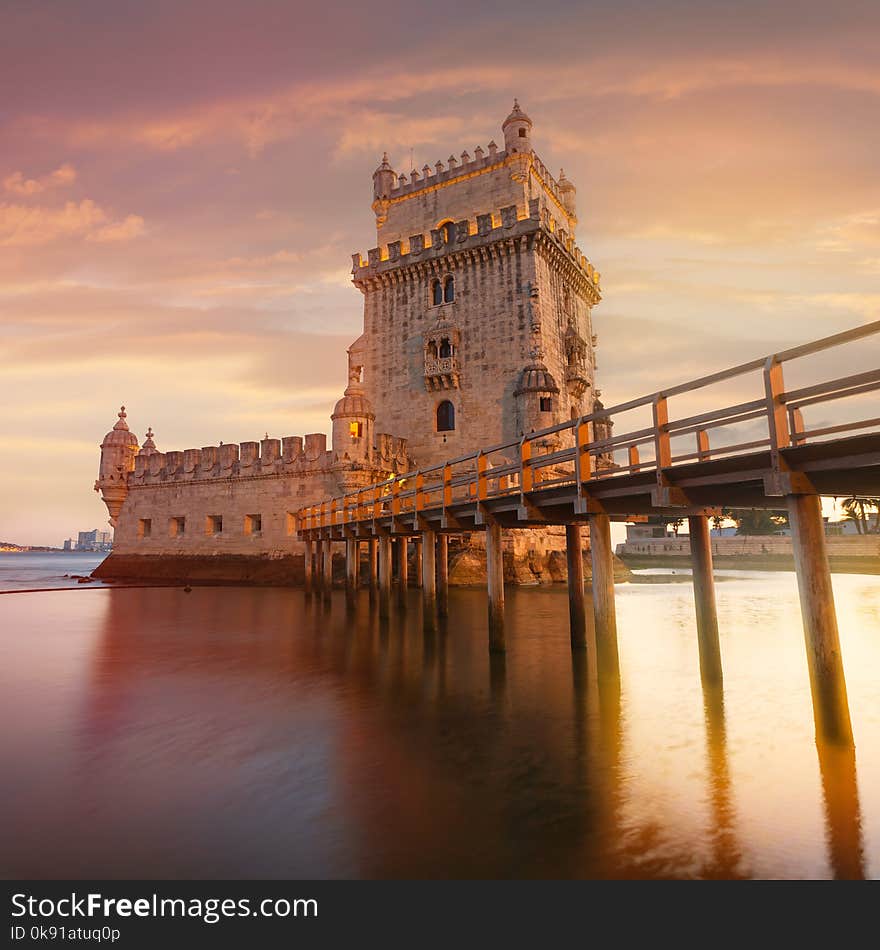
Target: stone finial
{"points": [[414, 174], [426, 170], [453, 161], [478, 153], [465, 158], [401, 179], [493, 148], [149, 445], [121, 424], [439, 166]]}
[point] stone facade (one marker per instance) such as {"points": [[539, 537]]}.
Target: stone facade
{"points": [[477, 329]]}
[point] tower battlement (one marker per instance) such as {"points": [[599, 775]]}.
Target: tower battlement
{"points": [[471, 234]]}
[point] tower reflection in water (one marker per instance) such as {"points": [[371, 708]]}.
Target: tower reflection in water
{"points": [[236, 732]]}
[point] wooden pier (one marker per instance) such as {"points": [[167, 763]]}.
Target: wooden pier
{"points": [[756, 453]]}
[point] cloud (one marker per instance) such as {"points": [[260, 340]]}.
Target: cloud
{"points": [[28, 226], [17, 184]]}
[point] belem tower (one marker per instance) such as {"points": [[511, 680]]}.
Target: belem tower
{"points": [[477, 329]]}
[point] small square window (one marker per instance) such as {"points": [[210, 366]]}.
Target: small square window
{"points": [[177, 527], [253, 524], [356, 429], [522, 133], [145, 527], [214, 524], [546, 404]]}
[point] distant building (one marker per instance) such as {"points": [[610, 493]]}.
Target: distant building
{"points": [[95, 540], [652, 528]]}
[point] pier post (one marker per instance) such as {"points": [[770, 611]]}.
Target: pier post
{"points": [[827, 682], [402, 570], [307, 566], [576, 610], [443, 575], [417, 545], [429, 582], [319, 564], [385, 575], [351, 572], [373, 558], [327, 569], [704, 598], [602, 558], [495, 584]]}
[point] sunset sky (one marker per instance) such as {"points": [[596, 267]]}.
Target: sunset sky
{"points": [[182, 186]]}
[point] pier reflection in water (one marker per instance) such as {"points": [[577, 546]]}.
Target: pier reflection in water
{"points": [[237, 732]]}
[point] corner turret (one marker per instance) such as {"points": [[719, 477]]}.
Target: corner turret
{"points": [[384, 180], [569, 195], [517, 129], [118, 451], [353, 417]]}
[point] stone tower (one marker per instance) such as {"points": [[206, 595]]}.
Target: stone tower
{"points": [[477, 302]]}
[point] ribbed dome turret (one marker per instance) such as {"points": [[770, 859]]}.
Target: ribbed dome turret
{"points": [[536, 378], [353, 403], [120, 434], [516, 115]]}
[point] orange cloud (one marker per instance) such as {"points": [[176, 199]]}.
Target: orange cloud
{"points": [[17, 184], [27, 226]]}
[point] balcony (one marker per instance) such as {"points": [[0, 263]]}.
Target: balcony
{"points": [[441, 373]]}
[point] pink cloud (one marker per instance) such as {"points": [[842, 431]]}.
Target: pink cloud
{"points": [[17, 184]]}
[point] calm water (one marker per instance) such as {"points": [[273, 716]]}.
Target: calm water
{"points": [[240, 732], [43, 569]]}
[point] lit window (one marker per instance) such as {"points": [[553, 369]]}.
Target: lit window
{"points": [[214, 524], [445, 416], [177, 527], [546, 404], [253, 524], [356, 429], [449, 289], [145, 527], [436, 293], [448, 230]]}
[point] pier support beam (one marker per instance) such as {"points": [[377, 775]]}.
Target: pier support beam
{"points": [[352, 556], [429, 581], [307, 566], [402, 570], [576, 610], [373, 558], [385, 575], [327, 569], [443, 575], [417, 550], [604, 612], [827, 683], [495, 584], [704, 598]]}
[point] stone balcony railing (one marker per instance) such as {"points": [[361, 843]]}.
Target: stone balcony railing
{"points": [[442, 373]]}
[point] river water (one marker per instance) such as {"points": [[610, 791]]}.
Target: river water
{"points": [[234, 732]]}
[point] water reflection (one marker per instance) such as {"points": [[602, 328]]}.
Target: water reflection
{"points": [[257, 733]]}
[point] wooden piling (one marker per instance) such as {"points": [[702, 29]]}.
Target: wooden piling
{"points": [[576, 609], [602, 558], [827, 682], [417, 545], [307, 566], [352, 552], [373, 559], [704, 598], [402, 570], [495, 584], [327, 570], [429, 582], [443, 575], [385, 575]]}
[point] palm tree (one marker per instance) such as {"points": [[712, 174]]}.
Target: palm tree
{"points": [[857, 511]]}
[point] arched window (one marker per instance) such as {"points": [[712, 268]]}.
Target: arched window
{"points": [[449, 289], [445, 349], [448, 229], [445, 416], [436, 292]]}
